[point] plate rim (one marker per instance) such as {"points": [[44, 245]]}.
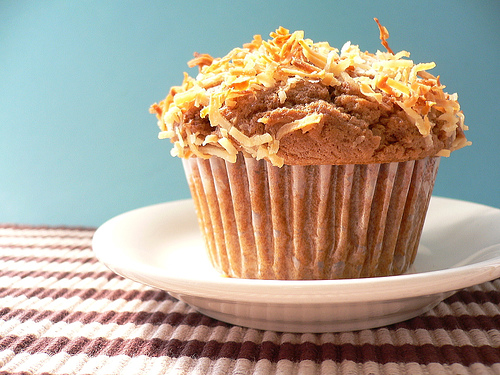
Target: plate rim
{"points": [[299, 291]]}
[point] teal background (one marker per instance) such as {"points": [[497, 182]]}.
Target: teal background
{"points": [[78, 145]]}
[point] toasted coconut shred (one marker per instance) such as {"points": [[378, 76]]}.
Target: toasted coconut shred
{"points": [[281, 61]]}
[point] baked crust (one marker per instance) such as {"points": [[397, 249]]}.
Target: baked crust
{"points": [[292, 101]]}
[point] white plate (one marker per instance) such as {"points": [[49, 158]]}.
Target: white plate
{"points": [[161, 246]]}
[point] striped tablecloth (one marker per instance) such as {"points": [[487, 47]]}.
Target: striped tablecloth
{"points": [[62, 312]]}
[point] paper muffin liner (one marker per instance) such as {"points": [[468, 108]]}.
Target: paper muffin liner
{"points": [[310, 222]]}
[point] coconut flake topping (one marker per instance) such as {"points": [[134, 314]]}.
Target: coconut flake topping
{"points": [[283, 59]]}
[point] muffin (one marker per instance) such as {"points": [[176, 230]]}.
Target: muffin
{"points": [[306, 162]]}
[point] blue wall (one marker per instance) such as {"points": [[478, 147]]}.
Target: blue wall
{"points": [[78, 145]]}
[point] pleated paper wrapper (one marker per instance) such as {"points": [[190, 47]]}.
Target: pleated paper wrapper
{"points": [[260, 221]]}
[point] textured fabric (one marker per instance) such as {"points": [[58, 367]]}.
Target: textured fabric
{"points": [[62, 312]]}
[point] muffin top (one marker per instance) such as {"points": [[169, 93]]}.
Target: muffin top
{"points": [[292, 101]]}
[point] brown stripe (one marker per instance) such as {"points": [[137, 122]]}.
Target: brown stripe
{"points": [[42, 246], [464, 296], [17, 258], [450, 322], [153, 346], [21, 227], [138, 318], [194, 319], [249, 350], [94, 347], [269, 351], [97, 294], [477, 296], [286, 350], [29, 373], [421, 354], [59, 274]]}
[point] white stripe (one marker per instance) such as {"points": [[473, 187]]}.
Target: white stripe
{"points": [[307, 367], [252, 335], [52, 363], [37, 252], [71, 365], [438, 337], [69, 267], [112, 331], [5, 357], [222, 366], [22, 362], [270, 336], [114, 365], [265, 366], [76, 303], [495, 368], [204, 366], [243, 366], [329, 367], [48, 266], [403, 368], [44, 232], [63, 363], [160, 365], [93, 364], [137, 365], [181, 365], [373, 368], [69, 282], [40, 242], [284, 367], [32, 363]]}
